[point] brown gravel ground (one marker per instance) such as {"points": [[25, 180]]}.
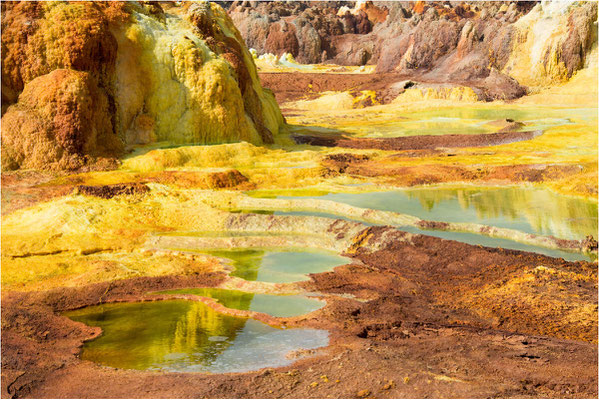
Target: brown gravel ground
{"points": [[291, 86]]}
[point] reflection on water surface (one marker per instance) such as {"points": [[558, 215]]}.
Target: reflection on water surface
{"points": [[275, 305], [188, 336]]}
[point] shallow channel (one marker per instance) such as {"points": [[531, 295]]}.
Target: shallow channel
{"points": [[279, 266], [275, 305], [465, 121], [526, 209]]}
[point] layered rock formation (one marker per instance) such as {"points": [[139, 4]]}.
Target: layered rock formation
{"points": [[81, 80], [493, 42], [498, 48]]}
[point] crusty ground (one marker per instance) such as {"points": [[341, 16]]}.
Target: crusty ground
{"points": [[417, 318], [421, 324]]}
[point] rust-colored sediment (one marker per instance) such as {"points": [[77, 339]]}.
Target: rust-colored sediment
{"points": [[438, 319]]}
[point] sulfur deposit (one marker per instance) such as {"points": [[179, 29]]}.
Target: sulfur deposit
{"points": [[91, 79]]}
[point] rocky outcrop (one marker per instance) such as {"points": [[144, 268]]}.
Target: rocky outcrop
{"points": [[536, 47], [499, 47], [303, 29], [551, 42], [84, 79], [282, 38]]}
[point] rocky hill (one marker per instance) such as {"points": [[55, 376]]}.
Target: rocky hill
{"points": [[87, 80], [504, 48]]}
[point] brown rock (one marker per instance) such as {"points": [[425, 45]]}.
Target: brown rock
{"points": [[227, 179], [60, 119], [589, 243], [110, 191], [38, 38]]}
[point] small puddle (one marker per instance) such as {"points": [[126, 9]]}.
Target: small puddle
{"points": [[279, 266], [282, 306], [188, 336]]}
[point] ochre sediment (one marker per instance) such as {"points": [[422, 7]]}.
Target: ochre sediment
{"points": [[423, 142]]}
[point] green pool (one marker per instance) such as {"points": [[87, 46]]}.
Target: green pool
{"points": [[188, 336]]}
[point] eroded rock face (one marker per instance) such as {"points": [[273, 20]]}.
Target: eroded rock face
{"points": [[154, 72], [535, 44], [473, 41], [303, 29], [532, 46], [551, 42]]}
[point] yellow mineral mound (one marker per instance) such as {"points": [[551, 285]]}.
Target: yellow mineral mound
{"points": [[237, 154], [191, 79], [337, 101], [550, 42], [334, 101], [181, 74], [455, 93]]}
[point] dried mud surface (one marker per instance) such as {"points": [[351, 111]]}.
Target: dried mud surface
{"points": [[290, 86], [429, 318]]}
